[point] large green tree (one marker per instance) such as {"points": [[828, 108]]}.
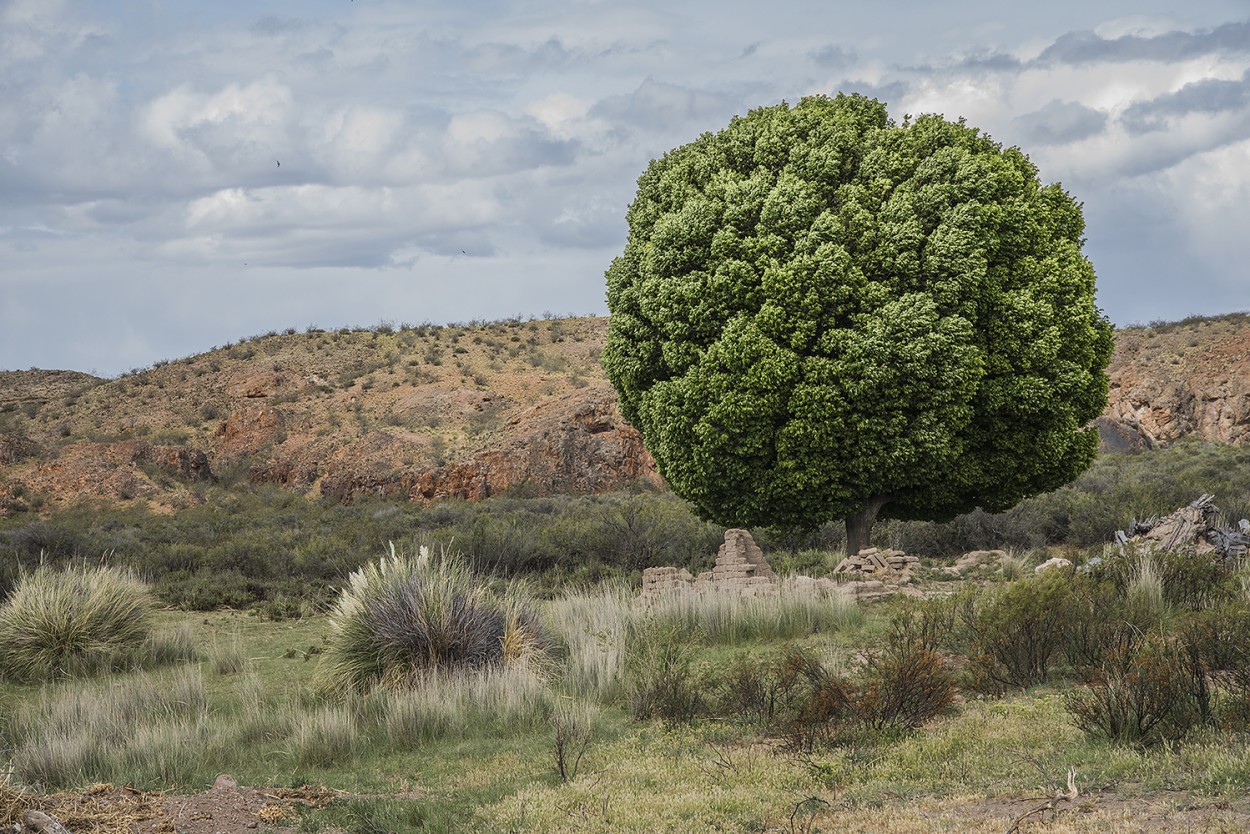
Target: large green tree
{"points": [[822, 314]]}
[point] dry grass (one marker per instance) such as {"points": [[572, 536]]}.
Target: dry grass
{"points": [[403, 617], [59, 623]]}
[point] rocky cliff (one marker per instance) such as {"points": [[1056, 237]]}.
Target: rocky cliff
{"points": [[1177, 380], [429, 413]]}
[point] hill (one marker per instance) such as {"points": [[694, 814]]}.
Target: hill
{"points": [[427, 413]]}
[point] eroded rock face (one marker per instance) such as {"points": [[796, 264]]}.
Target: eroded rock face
{"points": [[1154, 402], [250, 430], [120, 471], [575, 444]]}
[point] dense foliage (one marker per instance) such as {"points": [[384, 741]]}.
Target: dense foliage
{"points": [[821, 313]]}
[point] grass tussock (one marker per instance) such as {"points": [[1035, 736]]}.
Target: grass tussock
{"points": [[60, 623], [402, 617]]}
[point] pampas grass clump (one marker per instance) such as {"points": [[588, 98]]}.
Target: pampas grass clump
{"points": [[59, 623], [404, 617]]}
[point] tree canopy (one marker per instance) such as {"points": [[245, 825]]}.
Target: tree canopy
{"points": [[821, 313]]}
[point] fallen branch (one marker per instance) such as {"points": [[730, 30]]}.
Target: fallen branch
{"points": [[1051, 804]]}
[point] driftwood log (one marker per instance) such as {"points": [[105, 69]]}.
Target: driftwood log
{"points": [[1195, 527]]}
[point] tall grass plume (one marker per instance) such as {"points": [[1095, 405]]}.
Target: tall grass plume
{"points": [[60, 623]]}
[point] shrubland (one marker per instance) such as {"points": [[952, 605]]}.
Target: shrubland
{"points": [[260, 545]]}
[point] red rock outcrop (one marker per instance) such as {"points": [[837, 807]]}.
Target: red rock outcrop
{"points": [[250, 430], [1199, 388], [578, 443], [116, 471]]}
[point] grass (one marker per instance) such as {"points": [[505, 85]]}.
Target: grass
{"points": [[469, 752], [404, 618], [77, 621]]}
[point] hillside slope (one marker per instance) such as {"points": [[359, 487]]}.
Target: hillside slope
{"points": [[422, 413], [1188, 378], [428, 413]]}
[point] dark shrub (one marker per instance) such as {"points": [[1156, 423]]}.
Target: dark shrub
{"points": [[791, 695], [1143, 695], [905, 684]]}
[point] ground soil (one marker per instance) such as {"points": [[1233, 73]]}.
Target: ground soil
{"points": [[107, 809], [224, 809]]}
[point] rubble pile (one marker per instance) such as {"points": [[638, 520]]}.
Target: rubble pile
{"points": [[740, 567], [875, 561]]}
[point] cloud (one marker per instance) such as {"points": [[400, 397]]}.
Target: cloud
{"points": [[1060, 123], [657, 105], [831, 56], [1087, 47], [138, 149], [1207, 97]]}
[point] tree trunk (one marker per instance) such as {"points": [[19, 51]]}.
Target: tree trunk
{"points": [[859, 524]]}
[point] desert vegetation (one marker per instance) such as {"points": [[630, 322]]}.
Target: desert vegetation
{"points": [[261, 546], [700, 712]]}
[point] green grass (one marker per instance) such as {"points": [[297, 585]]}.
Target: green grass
{"points": [[476, 753]]}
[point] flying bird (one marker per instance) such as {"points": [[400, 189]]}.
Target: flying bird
{"points": [[279, 163]]}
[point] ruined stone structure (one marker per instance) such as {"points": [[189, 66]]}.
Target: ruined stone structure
{"points": [[740, 567], [1192, 529]]}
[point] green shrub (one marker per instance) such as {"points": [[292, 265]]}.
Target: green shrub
{"points": [[1183, 580], [1142, 695], [71, 622], [1016, 631], [1096, 622], [659, 673], [403, 617]]}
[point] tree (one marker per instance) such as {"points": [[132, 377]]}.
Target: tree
{"points": [[823, 314]]}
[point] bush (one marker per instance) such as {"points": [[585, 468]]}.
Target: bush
{"points": [[659, 674], [1183, 580], [403, 617], [905, 685], [1142, 695], [71, 622], [1017, 630], [792, 694], [1096, 622]]}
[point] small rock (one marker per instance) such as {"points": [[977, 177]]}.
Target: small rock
{"points": [[976, 557], [42, 823], [1051, 564]]}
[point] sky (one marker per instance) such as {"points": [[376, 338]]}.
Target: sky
{"points": [[176, 175]]}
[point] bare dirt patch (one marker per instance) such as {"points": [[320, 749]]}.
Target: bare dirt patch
{"points": [[224, 809]]}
